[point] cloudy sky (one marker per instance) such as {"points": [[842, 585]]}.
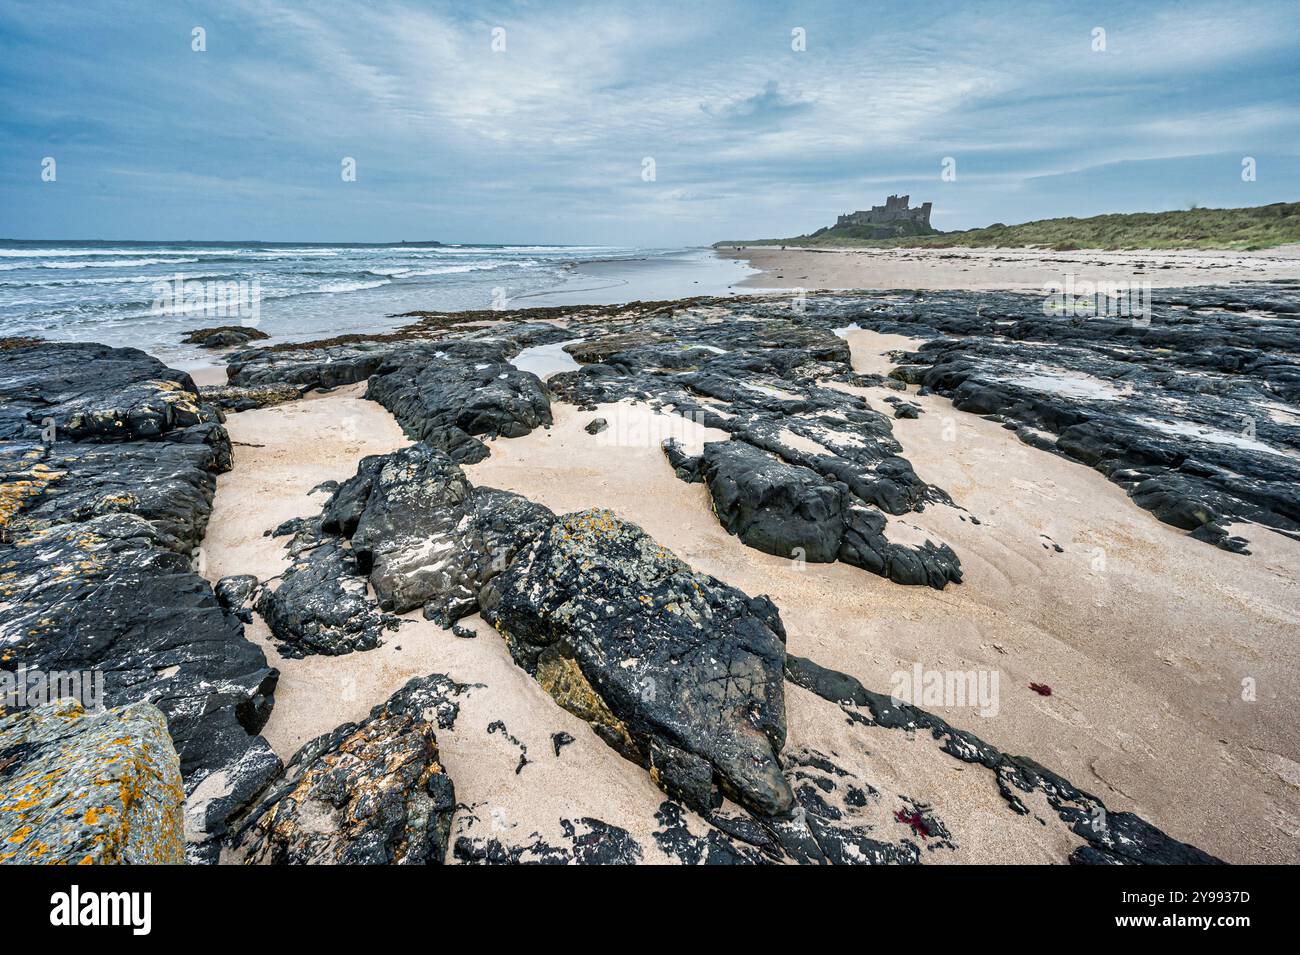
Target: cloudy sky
{"points": [[547, 140]]}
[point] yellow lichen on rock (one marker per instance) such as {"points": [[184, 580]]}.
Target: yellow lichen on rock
{"points": [[91, 788], [563, 679], [24, 486]]}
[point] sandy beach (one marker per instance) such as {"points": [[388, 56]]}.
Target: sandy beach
{"points": [[1143, 634], [419, 447], [1013, 269]]}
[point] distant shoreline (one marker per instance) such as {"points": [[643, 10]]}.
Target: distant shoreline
{"points": [[987, 269]]}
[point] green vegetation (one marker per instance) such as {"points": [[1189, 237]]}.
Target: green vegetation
{"points": [[1257, 227]]}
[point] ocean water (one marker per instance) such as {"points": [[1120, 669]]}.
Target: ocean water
{"points": [[147, 295]]}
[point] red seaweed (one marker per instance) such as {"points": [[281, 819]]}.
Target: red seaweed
{"points": [[1042, 689], [914, 820]]}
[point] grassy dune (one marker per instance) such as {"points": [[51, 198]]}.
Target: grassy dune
{"points": [[1256, 227]]}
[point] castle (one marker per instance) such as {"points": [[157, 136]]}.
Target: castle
{"points": [[891, 218]]}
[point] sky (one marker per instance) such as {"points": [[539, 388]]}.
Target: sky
{"points": [[629, 123]]}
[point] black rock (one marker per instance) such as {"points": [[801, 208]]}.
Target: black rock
{"points": [[412, 538], [368, 793], [236, 398], [675, 670], [92, 392], [223, 336], [321, 605], [424, 535], [793, 512], [772, 506], [1180, 408], [233, 592], [596, 426], [589, 842], [307, 367], [462, 389], [99, 538]]}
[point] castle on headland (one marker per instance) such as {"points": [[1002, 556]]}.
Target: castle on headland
{"points": [[890, 219]]}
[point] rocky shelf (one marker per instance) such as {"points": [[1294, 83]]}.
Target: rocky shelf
{"points": [[109, 460]]}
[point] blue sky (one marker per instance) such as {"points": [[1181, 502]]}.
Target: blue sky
{"points": [[545, 140]]}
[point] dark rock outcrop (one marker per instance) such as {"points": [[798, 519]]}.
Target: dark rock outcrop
{"points": [[793, 512], [80, 788], [88, 392], [460, 390], [586, 841], [223, 336], [674, 669], [307, 367], [1112, 837], [368, 793], [413, 538], [320, 605], [772, 506], [235, 398], [413, 528], [1190, 408], [804, 459], [99, 542]]}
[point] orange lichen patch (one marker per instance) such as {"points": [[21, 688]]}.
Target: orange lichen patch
{"points": [[24, 486], [175, 394], [563, 679], [116, 502], [94, 788]]}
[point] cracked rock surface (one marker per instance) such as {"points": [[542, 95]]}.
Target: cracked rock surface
{"points": [[89, 788]]}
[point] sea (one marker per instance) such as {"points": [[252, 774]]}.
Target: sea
{"points": [[148, 294]]}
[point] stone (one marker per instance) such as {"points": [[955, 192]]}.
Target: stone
{"points": [[223, 336], [89, 788], [307, 367], [424, 535], [780, 509], [1179, 408], [92, 392], [677, 671], [367, 793], [1111, 837], [462, 390], [414, 537], [235, 398], [797, 446], [321, 605], [794, 512], [100, 535], [234, 590]]}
